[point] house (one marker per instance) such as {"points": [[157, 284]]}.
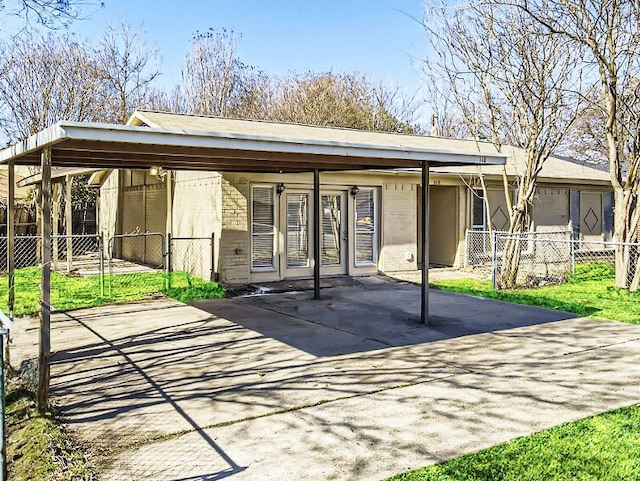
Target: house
{"points": [[570, 196], [262, 221]]}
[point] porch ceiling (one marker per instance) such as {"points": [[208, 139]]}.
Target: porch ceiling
{"points": [[105, 146]]}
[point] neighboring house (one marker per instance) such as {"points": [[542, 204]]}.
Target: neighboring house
{"points": [[570, 195], [262, 222], [25, 213]]}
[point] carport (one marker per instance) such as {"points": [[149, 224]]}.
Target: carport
{"points": [[244, 149]]}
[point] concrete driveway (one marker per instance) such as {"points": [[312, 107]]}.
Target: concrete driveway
{"points": [[348, 387]]}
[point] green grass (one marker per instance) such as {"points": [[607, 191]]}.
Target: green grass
{"points": [[590, 291], [603, 447], [37, 446], [74, 292]]}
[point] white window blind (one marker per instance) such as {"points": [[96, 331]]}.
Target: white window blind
{"points": [[263, 227], [297, 230], [365, 217]]}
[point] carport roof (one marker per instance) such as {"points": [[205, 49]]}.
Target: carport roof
{"points": [[185, 142]]}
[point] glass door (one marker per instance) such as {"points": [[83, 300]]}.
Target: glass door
{"points": [[333, 233], [298, 245]]}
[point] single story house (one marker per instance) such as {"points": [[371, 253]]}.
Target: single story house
{"points": [[370, 220]]}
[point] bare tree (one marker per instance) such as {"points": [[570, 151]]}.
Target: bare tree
{"points": [[608, 30], [43, 80], [50, 13], [514, 87], [127, 68], [216, 82]]}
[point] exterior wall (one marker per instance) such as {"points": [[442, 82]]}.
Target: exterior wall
{"points": [[443, 224], [234, 247], [109, 207], [551, 208], [399, 227], [196, 217], [396, 223]]}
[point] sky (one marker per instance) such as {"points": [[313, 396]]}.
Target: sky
{"points": [[380, 38]]}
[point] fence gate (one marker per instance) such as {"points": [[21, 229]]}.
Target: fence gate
{"points": [[193, 255]]}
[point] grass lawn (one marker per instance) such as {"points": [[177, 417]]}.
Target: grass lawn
{"points": [[590, 291], [603, 447], [73, 292]]}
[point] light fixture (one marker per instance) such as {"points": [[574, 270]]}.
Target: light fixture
{"points": [[354, 190], [158, 172], [280, 188]]}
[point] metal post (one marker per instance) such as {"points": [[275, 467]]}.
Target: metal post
{"points": [[56, 216], [424, 245], [11, 233], [466, 249], [169, 259], [101, 250], [45, 286], [316, 234], [494, 259], [3, 424], [68, 214], [214, 275]]}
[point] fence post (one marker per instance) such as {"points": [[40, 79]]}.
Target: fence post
{"points": [[214, 276], [169, 266], [101, 250], [110, 248], [494, 259], [573, 255], [466, 248]]}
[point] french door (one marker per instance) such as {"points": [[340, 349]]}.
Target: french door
{"points": [[333, 233], [297, 220]]}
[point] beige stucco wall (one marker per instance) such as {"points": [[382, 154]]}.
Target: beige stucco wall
{"points": [[108, 207], [196, 214], [399, 227]]}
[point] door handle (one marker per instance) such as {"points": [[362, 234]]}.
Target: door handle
{"points": [[344, 236]]}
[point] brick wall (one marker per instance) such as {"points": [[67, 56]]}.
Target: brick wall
{"points": [[235, 237]]}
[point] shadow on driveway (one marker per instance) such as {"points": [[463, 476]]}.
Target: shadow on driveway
{"points": [[357, 319]]}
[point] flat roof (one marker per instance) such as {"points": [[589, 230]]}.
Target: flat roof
{"points": [[240, 147]]}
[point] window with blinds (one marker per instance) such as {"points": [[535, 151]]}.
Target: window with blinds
{"points": [[297, 230], [365, 217], [330, 244], [263, 230]]}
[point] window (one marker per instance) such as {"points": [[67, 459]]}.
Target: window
{"points": [[365, 218], [263, 228], [478, 220], [297, 230]]}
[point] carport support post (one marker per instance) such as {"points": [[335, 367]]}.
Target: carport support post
{"points": [[42, 397], [11, 234], [424, 245], [316, 234], [68, 215]]}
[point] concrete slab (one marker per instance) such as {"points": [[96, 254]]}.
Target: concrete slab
{"points": [[348, 387]]}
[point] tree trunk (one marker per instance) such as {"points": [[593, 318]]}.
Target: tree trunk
{"points": [[508, 275]]}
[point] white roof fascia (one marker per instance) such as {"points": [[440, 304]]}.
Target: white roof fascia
{"points": [[181, 138]]}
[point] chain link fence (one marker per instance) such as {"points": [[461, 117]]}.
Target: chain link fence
{"points": [[482, 246], [87, 268], [544, 259], [136, 261], [193, 255]]}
